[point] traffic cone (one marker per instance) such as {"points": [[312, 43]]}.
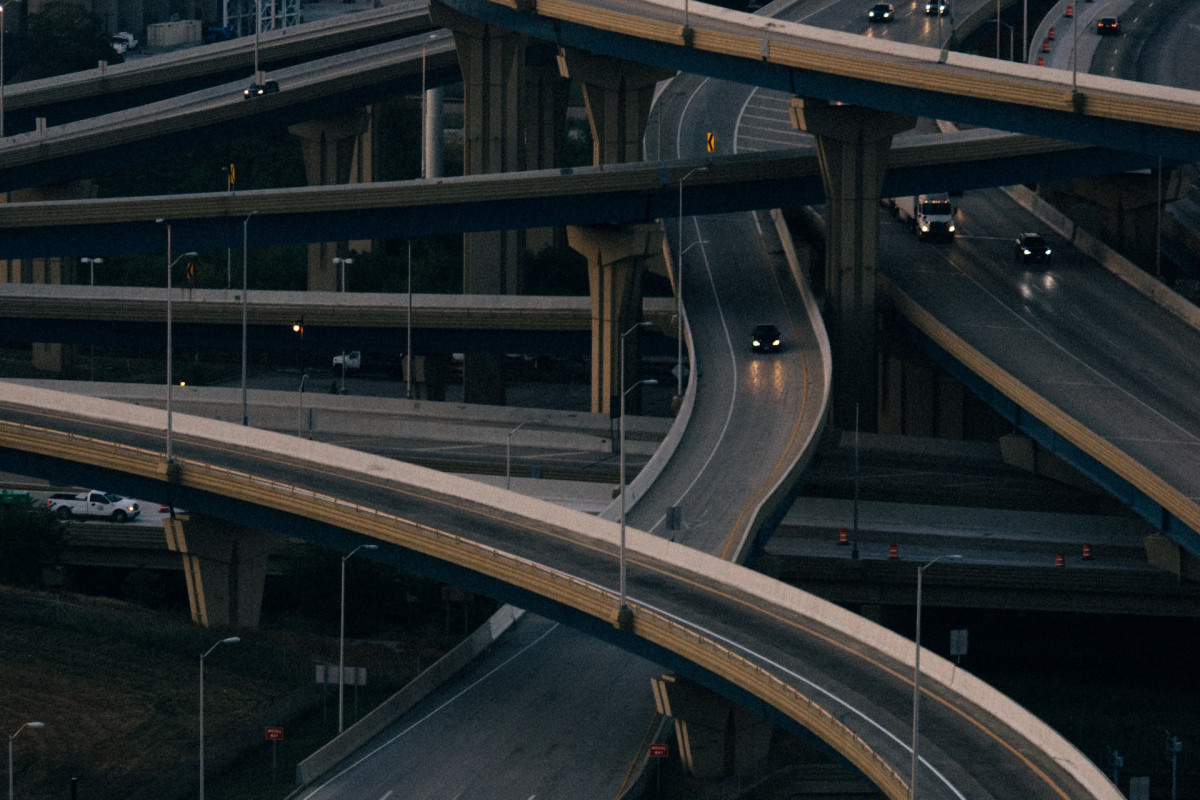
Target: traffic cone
{"points": [[893, 552], [1059, 561], [1045, 45], [1050, 35], [843, 536], [1041, 62], [1087, 552], [1070, 11]]}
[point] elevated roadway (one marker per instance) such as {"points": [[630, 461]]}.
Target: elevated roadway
{"points": [[310, 90], [144, 79], [781, 652], [620, 193], [869, 71]]}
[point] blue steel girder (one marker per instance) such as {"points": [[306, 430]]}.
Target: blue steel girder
{"points": [[1021, 419], [1120, 135]]}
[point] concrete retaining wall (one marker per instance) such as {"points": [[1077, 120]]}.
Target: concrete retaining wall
{"points": [[357, 735]]}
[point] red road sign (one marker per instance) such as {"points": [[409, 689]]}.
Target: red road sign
{"points": [[658, 751], [274, 733]]}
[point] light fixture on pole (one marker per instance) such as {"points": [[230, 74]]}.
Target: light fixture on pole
{"points": [[508, 455], [916, 715], [245, 262], [227, 640], [679, 283], [3, 28], [91, 262], [621, 609], [170, 349], [342, 630], [31, 725], [408, 381], [340, 264]]}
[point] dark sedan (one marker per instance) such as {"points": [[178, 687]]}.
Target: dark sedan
{"points": [[765, 339], [1032, 247], [881, 12]]}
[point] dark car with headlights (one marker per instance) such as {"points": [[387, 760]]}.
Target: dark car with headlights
{"points": [[881, 12], [1032, 247], [765, 339], [259, 89]]}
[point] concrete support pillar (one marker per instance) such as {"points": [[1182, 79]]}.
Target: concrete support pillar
{"points": [[225, 566], [547, 94], [46, 356], [616, 258], [434, 133], [715, 738], [618, 95], [336, 150], [852, 148]]}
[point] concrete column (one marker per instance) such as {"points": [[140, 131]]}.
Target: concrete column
{"points": [[545, 136], [492, 61], [715, 738], [616, 260], [46, 356], [618, 95], [330, 147], [852, 148], [225, 566]]}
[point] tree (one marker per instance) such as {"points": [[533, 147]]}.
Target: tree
{"points": [[30, 538], [66, 37]]}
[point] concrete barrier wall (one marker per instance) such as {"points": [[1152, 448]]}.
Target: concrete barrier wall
{"points": [[1091, 246], [357, 735]]}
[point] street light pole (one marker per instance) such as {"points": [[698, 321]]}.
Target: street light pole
{"points": [[679, 284], [227, 640], [508, 455], [245, 263], [342, 630], [3, 27], [408, 381], [31, 725], [170, 348], [621, 430], [912, 781], [341, 264], [91, 262]]}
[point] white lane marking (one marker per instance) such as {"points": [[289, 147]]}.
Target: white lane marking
{"points": [[386, 795], [432, 713]]}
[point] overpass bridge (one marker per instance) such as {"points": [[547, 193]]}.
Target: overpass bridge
{"points": [[761, 641]]}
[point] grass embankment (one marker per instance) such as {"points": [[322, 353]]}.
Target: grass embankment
{"points": [[117, 687]]}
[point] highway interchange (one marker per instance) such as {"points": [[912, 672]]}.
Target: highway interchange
{"points": [[1037, 312]]}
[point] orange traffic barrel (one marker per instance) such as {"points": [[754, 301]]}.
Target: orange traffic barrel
{"points": [[1087, 552], [1050, 35], [1059, 561], [843, 536], [893, 551], [1070, 11], [1045, 45], [1041, 62]]}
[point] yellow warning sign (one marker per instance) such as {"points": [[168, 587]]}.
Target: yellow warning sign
{"points": [[710, 141]]}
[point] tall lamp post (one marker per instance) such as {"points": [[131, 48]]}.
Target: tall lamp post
{"points": [[245, 263], [342, 630], [3, 27], [508, 455], [170, 349], [679, 281], [621, 429], [31, 725], [91, 262], [227, 640], [341, 264], [408, 381], [916, 715]]}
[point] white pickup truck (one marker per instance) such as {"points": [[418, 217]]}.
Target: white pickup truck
{"points": [[92, 504], [350, 360]]}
